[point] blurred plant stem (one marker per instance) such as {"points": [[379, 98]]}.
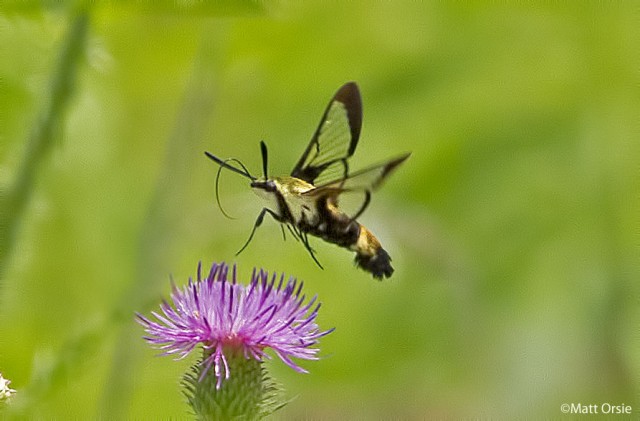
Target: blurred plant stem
{"points": [[49, 124], [159, 230], [46, 129]]}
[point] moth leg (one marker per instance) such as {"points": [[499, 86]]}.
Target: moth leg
{"points": [[365, 205], [294, 232], [259, 220], [305, 242]]}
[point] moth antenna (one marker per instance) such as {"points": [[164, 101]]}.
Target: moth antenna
{"points": [[223, 163], [265, 158]]}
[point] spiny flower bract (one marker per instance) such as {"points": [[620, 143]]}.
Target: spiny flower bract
{"points": [[225, 316]]}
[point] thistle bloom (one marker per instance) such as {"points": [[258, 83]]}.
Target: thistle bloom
{"points": [[227, 319]]}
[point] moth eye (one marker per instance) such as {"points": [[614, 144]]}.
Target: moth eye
{"points": [[270, 186]]}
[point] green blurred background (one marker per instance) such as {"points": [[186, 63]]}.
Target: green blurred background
{"points": [[513, 226]]}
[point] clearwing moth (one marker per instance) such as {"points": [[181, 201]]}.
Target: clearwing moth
{"points": [[306, 202]]}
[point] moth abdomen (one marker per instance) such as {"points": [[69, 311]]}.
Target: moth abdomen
{"points": [[378, 264], [337, 228], [370, 255]]}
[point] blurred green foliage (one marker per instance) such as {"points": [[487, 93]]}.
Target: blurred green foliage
{"points": [[513, 227]]}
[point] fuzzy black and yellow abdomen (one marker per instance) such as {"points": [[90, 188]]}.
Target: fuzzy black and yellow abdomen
{"points": [[338, 229], [370, 255]]}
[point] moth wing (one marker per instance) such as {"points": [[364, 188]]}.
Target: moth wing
{"points": [[368, 179], [364, 182], [335, 139]]}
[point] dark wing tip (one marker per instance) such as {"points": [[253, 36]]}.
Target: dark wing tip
{"points": [[399, 160], [349, 95], [389, 167], [347, 89], [308, 169], [395, 162]]}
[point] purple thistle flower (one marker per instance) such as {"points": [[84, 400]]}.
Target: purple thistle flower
{"points": [[226, 316]]}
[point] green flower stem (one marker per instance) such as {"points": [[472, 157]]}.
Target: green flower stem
{"points": [[239, 396], [42, 137]]}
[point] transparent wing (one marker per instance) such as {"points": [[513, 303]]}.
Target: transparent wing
{"points": [[367, 179], [335, 139]]}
